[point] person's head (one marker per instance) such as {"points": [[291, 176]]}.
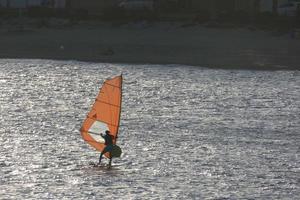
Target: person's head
{"points": [[107, 132]]}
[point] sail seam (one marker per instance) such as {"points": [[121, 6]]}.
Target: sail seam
{"points": [[107, 103], [113, 85]]}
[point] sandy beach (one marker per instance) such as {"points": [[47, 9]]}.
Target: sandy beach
{"points": [[155, 43]]}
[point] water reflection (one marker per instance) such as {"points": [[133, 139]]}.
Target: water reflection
{"points": [[186, 132]]}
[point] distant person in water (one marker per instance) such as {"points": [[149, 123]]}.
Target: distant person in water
{"points": [[109, 145]]}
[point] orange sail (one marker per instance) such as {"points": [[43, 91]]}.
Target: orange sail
{"points": [[104, 115]]}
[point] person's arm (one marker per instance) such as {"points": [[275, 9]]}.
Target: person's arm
{"points": [[103, 136]]}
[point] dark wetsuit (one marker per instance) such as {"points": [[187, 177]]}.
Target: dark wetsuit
{"points": [[108, 142], [109, 146]]}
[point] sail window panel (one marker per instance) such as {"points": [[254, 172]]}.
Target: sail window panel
{"points": [[98, 128], [97, 138], [89, 139], [93, 140], [99, 114]]}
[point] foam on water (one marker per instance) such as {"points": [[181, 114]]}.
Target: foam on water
{"points": [[186, 132]]}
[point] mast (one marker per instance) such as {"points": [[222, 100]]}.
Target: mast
{"points": [[121, 87]]}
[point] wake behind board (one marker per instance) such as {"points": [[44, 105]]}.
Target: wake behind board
{"points": [[103, 167], [96, 165]]}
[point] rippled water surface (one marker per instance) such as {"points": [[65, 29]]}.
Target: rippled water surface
{"points": [[186, 132]]}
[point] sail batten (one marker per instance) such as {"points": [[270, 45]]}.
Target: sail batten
{"points": [[105, 114], [113, 85], [108, 103], [116, 125]]}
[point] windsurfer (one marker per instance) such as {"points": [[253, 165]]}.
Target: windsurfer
{"points": [[109, 145]]}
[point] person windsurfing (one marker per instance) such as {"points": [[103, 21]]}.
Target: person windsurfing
{"points": [[109, 146]]}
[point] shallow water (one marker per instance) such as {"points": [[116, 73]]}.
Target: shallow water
{"points": [[186, 132]]}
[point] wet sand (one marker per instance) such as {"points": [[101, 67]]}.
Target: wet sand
{"points": [[159, 43]]}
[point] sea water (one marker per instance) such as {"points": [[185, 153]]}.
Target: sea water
{"points": [[186, 132]]}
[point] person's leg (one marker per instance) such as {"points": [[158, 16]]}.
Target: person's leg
{"points": [[109, 165], [103, 152], [110, 160], [100, 158]]}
